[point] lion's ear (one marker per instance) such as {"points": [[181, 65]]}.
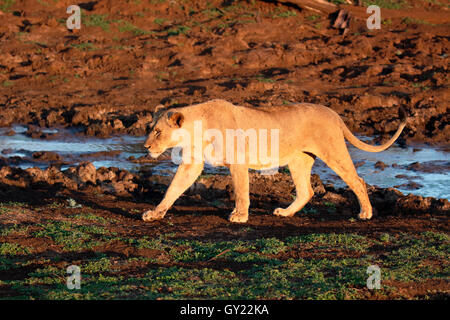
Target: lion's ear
{"points": [[159, 107], [175, 119]]}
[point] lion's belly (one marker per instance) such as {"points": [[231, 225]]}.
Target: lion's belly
{"points": [[259, 156]]}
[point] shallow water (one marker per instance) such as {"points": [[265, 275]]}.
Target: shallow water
{"points": [[71, 144], [434, 184]]}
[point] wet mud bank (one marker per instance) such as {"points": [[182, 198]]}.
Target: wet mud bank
{"points": [[267, 192], [419, 169]]}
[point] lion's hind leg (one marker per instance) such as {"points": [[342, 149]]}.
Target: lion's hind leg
{"points": [[341, 163], [300, 168]]}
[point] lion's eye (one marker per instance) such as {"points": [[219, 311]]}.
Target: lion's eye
{"points": [[157, 133]]}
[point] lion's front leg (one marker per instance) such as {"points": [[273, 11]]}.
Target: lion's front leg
{"points": [[184, 178], [155, 214], [239, 174]]}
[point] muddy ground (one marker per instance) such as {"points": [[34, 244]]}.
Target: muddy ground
{"points": [[130, 56]]}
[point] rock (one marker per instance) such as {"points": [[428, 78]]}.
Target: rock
{"points": [[380, 165], [334, 197], [374, 70], [116, 182], [7, 151], [317, 185], [118, 125], [99, 130], [118, 188], [5, 172], [359, 163], [34, 132], [85, 172], [13, 176], [106, 174], [406, 69], [412, 204], [143, 121], [369, 101], [35, 174], [362, 47], [3, 161], [430, 166], [113, 188], [384, 199], [101, 154], [409, 186], [125, 176], [197, 188], [53, 175], [441, 205], [47, 156]]}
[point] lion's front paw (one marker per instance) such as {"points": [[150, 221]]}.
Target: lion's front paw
{"points": [[365, 215], [283, 212], [151, 215], [238, 217]]}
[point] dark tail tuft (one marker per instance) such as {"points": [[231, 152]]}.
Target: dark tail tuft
{"points": [[402, 114]]}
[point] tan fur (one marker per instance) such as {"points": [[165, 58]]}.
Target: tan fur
{"points": [[305, 131]]}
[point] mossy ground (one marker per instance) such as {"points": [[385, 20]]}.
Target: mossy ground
{"points": [[122, 262]]}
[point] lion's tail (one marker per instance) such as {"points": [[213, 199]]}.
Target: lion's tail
{"points": [[367, 147]]}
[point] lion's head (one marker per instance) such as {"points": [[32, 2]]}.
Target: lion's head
{"points": [[160, 137]]}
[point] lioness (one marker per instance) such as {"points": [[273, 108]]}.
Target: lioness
{"points": [[305, 131]]}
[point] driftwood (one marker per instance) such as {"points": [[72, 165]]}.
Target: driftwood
{"points": [[322, 6], [325, 7], [341, 17], [355, 10], [342, 21]]}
